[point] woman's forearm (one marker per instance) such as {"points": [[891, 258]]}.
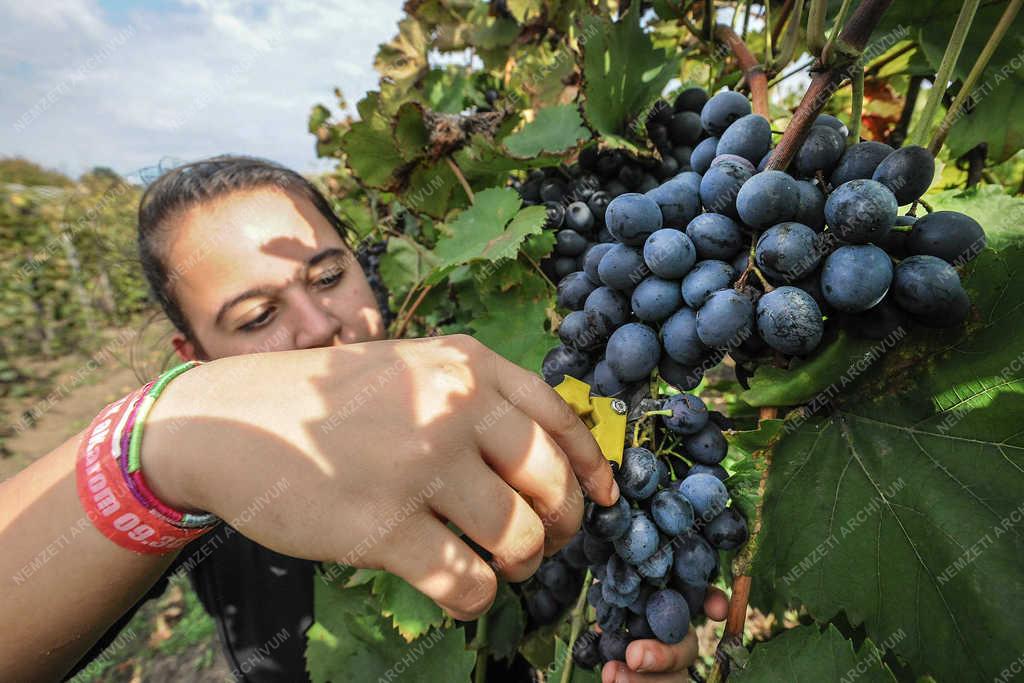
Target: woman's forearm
{"points": [[62, 583]]}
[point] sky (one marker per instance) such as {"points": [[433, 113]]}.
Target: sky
{"points": [[131, 84]]}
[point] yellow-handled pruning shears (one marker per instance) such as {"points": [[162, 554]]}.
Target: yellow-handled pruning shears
{"points": [[606, 417]]}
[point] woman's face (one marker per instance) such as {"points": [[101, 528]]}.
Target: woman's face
{"points": [[262, 270]]}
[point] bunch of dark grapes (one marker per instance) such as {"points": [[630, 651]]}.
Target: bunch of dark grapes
{"points": [[655, 552], [368, 256], [662, 278], [720, 257]]}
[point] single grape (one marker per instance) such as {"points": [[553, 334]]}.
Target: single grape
{"points": [[592, 257], [553, 190], [704, 279], [658, 565], [788, 252], [736, 159], [633, 351], [695, 561], [703, 154], [573, 290], [682, 154], [668, 616], [820, 152], [631, 217], [810, 207], [620, 577], [725, 319], [655, 299], [555, 216], [722, 109], [639, 605], [908, 172], [616, 598], [606, 523], [768, 198], [638, 476], [598, 204], [610, 617], [878, 322], [860, 211], [789, 321], [831, 122], [569, 243], [672, 512], [929, 289], [564, 360], [613, 305], [691, 99], [669, 253], [606, 383], [556, 576], [543, 607], [679, 338], [684, 128], [727, 531], [689, 414], [856, 277], [720, 186], [952, 236], [622, 267], [613, 646], [859, 162], [636, 625], [640, 540], [694, 596], [597, 550], [706, 493], [682, 377], [678, 199], [580, 218], [585, 651], [715, 236], [749, 136], [706, 446], [572, 553], [564, 265]]}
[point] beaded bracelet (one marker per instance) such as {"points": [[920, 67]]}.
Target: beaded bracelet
{"points": [[112, 487]]}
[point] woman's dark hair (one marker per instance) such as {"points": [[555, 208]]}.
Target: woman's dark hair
{"points": [[197, 183]]}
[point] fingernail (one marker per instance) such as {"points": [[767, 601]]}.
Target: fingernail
{"points": [[623, 677], [647, 662]]}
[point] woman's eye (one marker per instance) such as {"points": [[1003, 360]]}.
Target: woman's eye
{"points": [[329, 279], [259, 321]]}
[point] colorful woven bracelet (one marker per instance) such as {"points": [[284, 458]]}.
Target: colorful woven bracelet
{"points": [[116, 499]]}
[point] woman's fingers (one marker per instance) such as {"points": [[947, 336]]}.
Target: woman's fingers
{"points": [[650, 661], [525, 456], [437, 563], [490, 512], [534, 397], [716, 604]]}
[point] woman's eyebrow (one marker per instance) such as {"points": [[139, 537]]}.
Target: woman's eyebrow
{"points": [[331, 252]]}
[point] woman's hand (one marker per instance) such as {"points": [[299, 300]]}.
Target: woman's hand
{"points": [[368, 450], [651, 661]]}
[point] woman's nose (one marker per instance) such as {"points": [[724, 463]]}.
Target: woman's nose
{"points": [[316, 326]]}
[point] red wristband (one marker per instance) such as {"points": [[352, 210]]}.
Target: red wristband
{"points": [[108, 500]]}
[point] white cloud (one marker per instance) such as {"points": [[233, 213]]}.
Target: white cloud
{"points": [[86, 85]]}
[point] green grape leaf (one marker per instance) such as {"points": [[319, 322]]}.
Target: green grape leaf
{"points": [[623, 73], [318, 117], [431, 189], [748, 466], [490, 230], [525, 10], [902, 509], [538, 648], [404, 264], [506, 623], [513, 326], [412, 612], [410, 132], [352, 641], [403, 60], [370, 146], [808, 655], [832, 368], [493, 32], [554, 130]]}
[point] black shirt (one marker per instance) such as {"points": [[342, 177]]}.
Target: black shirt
{"points": [[261, 601]]}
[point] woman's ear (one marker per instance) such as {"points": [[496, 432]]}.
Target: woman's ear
{"points": [[185, 348]]}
